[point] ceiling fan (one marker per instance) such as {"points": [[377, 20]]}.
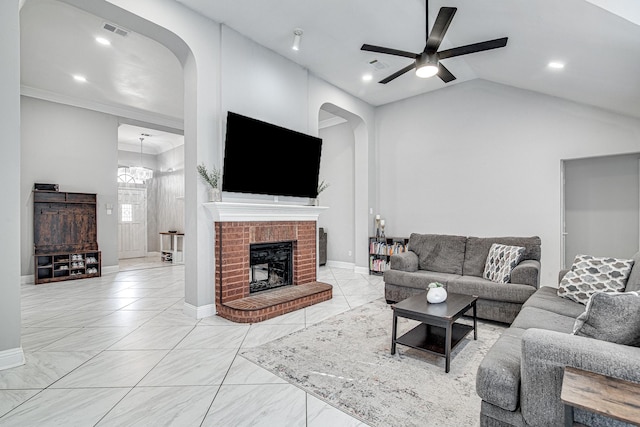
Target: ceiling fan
{"points": [[427, 63]]}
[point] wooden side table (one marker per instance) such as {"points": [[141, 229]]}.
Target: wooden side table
{"points": [[608, 396]]}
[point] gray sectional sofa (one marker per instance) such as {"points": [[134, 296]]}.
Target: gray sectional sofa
{"points": [[520, 378], [458, 263]]}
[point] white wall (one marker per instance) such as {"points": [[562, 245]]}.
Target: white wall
{"points": [[601, 206], [259, 83], [10, 350], [168, 190], [483, 159], [337, 168], [76, 149]]}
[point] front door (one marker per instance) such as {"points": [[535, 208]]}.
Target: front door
{"points": [[132, 222]]}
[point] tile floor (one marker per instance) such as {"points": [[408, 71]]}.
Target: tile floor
{"points": [[118, 351]]}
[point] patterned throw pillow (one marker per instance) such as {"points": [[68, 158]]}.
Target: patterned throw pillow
{"points": [[611, 316], [590, 274], [502, 259]]}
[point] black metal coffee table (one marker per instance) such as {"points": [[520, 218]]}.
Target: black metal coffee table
{"points": [[438, 332]]}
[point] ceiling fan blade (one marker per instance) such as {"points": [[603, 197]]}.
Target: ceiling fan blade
{"points": [[472, 48], [388, 51], [444, 74], [444, 18], [398, 73]]}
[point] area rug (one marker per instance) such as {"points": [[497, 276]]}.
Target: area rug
{"points": [[346, 362]]}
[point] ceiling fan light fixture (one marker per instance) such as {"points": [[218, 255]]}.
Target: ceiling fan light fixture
{"points": [[426, 66]]}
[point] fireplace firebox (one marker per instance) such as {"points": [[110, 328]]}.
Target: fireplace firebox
{"points": [[270, 266]]}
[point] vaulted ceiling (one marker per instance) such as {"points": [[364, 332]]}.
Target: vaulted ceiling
{"points": [[600, 47]]}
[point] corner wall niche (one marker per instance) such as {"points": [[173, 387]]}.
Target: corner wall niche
{"points": [[237, 226]]}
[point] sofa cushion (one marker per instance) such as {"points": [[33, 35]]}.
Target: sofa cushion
{"points": [[439, 252], [613, 317], [477, 249], [486, 289], [590, 274], [501, 261], [547, 298], [498, 376], [418, 280], [533, 317]]}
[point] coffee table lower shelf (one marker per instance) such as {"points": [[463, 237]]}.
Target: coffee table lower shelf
{"points": [[432, 338]]}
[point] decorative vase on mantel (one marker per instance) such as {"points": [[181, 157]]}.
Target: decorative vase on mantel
{"points": [[437, 293], [215, 195]]}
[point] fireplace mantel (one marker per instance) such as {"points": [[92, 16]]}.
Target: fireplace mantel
{"points": [[236, 212]]}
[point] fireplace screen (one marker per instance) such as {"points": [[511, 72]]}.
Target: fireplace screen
{"points": [[271, 266]]}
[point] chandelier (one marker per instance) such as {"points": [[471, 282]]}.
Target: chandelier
{"points": [[140, 173]]}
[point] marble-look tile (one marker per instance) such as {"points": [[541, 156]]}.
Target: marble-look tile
{"points": [[259, 334], [244, 371], [358, 300], [35, 338], [152, 338], [191, 367], [216, 320], [319, 312], [9, 399], [88, 339], [265, 405], [42, 369], [124, 318], [162, 406], [214, 337], [73, 319], [76, 407], [171, 317], [134, 293], [321, 414], [113, 369], [152, 304], [106, 303]]}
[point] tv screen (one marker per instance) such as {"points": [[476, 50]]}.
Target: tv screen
{"points": [[262, 158]]}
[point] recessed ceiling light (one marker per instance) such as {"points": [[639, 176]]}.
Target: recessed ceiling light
{"points": [[555, 65], [80, 78], [367, 77], [103, 41]]}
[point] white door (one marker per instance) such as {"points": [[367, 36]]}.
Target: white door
{"points": [[132, 222]]}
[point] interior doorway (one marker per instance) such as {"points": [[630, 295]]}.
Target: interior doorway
{"points": [[132, 222], [601, 213]]}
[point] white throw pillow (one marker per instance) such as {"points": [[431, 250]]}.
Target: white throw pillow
{"points": [[590, 274], [501, 261]]}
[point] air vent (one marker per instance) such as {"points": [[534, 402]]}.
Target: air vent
{"points": [[115, 29], [378, 65]]}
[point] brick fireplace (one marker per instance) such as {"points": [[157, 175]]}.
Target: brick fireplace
{"points": [[238, 226]]}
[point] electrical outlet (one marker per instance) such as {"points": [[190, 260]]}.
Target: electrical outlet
{"points": [[350, 253]]}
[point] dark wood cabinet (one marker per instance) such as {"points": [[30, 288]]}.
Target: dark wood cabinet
{"points": [[65, 236]]}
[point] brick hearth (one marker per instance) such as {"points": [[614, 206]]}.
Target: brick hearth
{"points": [[232, 241]]}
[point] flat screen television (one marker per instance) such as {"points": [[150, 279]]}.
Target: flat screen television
{"points": [[262, 158]]}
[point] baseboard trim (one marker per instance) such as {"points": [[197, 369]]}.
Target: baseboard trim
{"points": [[341, 264], [11, 358], [199, 312], [28, 279], [110, 269], [361, 270]]}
